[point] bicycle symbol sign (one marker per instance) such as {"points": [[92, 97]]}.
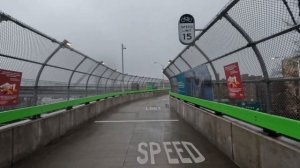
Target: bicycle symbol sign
{"points": [[186, 29]]}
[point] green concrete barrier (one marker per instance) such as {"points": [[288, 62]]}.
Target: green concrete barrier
{"points": [[23, 113], [281, 125]]}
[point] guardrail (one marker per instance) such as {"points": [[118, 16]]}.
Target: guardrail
{"points": [[276, 124], [22, 113]]}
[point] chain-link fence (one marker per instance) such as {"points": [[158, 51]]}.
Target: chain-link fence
{"points": [[263, 38], [53, 71]]}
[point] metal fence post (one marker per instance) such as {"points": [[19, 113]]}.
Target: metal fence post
{"points": [[207, 59], [72, 74], [116, 79], [128, 81], [113, 71], [61, 45], [144, 81], [172, 71], [88, 79], [100, 79], [133, 79]]}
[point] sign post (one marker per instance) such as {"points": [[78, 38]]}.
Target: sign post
{"points": [[9, 87], [186, 29], [234, 81]]}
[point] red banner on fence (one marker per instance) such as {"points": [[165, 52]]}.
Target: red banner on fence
{"points": [[9, 87], [234, 82]]}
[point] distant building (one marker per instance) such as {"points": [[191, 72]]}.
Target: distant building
{"points": [[286, 94], [290, 67]]}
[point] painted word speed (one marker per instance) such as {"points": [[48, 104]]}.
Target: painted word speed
{"points": [[181, 152]]}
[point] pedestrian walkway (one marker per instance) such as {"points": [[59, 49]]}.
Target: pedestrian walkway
{"points": [[136, 135]]}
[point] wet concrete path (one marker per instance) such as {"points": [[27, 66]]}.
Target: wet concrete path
{"points": [[136, 135]]}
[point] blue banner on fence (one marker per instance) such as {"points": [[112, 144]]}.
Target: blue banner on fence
{"points": [[195, 82], [181, 84]]}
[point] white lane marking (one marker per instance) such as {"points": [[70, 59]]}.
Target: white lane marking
{"points": [[134, 121]]}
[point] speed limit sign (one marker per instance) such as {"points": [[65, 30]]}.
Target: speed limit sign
{"points": [[186, 29]]}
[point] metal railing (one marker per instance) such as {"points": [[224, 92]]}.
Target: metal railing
{"points": [[276, 125], [31, 112], [263, 37], [54, 71]]}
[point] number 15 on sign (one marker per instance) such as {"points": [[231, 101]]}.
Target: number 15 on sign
{"points": [[187, 36]]}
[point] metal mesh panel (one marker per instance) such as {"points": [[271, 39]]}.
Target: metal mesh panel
{"points": [[21, 43], [93, 81], [114, 75], [118, 84], [130, 82], [138, 79], [261, 18], [127, 77], [119, 78], [109, 83], [286, 98], [293, 6], [108, 73], [87, 66], [53, 77], [275, 53], [181, 64], [173, 84], [174, 69], [64, 56], [102, 82], [169, 73], [247, 61], [222, 38], [193, 57], [211, 72], [79, 79], [99, 70]]}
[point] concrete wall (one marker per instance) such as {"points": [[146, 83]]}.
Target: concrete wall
{"points": [[247, 146], [20, 139]]}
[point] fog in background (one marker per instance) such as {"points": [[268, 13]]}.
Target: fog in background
{"points": [[148, 28]]}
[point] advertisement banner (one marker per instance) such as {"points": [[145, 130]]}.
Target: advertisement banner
{"points": [[9, 87], [195, 82], [181, 84], [198, 81], [234, 82]]}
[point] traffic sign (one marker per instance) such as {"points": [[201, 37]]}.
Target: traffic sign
{"points": [[186, 29]]}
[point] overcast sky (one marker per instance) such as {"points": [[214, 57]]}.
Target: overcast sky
{"points": [[148, 28]]}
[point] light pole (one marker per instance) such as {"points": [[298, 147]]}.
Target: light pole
{"points": [[162, 67], [123, 48]]}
